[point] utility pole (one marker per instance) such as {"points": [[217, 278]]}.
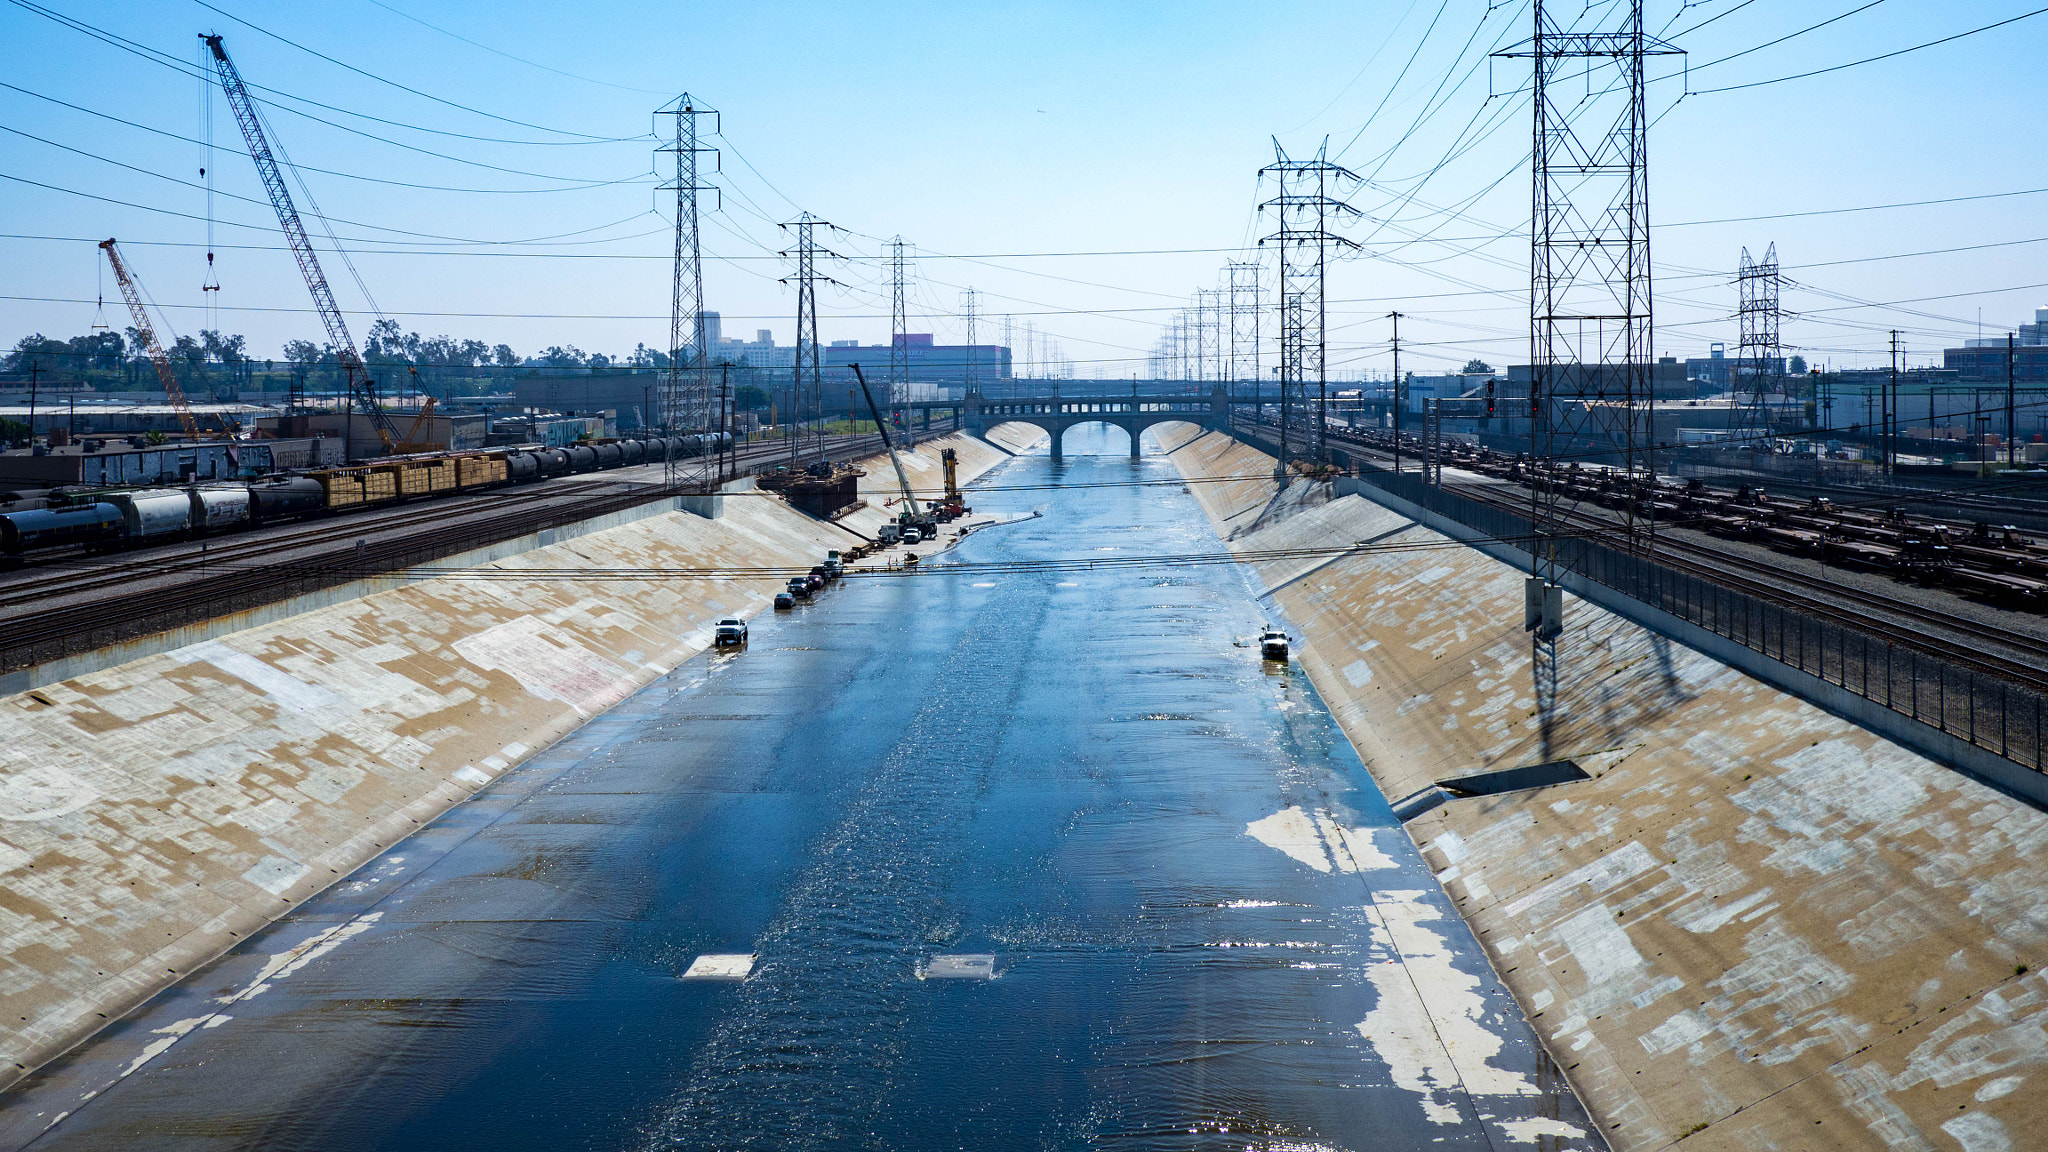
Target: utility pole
{"points": [[2011, 408], [807, 252], [899, 332], [1396, 404], [1305, 207], [1590, 326], [35, 374], [1889, 410], [686, 401]]}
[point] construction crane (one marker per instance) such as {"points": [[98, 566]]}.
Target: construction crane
{"points": [[914, 515], [295, 234], [147, 334]]}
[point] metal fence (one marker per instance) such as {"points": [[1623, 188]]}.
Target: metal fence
{"points": [[1985, 710]]}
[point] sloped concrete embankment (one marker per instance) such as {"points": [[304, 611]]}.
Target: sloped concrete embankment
{"points": [[153, 813], [1758, 926]]}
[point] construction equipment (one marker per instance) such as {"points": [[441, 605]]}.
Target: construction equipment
{"points": [[302, 248], [913, 514], [150, 344], [955, 505]]}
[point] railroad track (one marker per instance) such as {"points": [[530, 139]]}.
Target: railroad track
{"points": [[186, 587], [1847, 606]]}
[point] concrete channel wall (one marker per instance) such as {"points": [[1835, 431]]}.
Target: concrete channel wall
{"points": [[154, 812], [1756, 926]]}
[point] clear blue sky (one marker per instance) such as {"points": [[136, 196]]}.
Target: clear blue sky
{"points": [[1013, 129]]}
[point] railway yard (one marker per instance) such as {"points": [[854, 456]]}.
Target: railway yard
{"points": [[64, 599]]}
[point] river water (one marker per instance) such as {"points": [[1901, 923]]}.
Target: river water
{"points": [[1024, 857]]}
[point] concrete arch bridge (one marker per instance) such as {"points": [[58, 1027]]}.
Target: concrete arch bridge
{"points": [[1055, 414]]}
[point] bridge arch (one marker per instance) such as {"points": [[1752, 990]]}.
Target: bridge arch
{"points": [[1134, 414], [1121, 425]]}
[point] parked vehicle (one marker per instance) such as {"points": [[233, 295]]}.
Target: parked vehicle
{"points": [[731, 630], [815, 583], [1273, 644], [912, 536], [784, 601], [799, 588]]}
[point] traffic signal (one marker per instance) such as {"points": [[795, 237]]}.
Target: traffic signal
{"points": [[1489, 399]]}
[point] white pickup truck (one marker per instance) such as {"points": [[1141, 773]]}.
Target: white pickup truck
{"points": [[731, 630], [1273, 644]]}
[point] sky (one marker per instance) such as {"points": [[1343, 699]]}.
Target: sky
{"points": [[488, 171]]}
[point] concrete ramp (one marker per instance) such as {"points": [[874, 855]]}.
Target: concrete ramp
{"points": [[1754, 926]]}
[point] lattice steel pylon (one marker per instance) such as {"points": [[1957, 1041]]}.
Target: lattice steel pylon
{"points": [[1243, 353], [1305, 207], [687, 401], [1590, 387], [973, 380], [899, 331], [806, 402], [1759, 354]]}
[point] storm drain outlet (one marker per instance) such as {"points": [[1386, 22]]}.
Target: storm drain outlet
{"points": [[1514, 779], [1488, 784]]}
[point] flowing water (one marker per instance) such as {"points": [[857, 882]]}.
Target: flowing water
{"points": [[1026, 858]]}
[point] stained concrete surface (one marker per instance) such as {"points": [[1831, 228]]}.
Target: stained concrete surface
{"points": [[1757, 927], [1205, 929], [155, 813]]}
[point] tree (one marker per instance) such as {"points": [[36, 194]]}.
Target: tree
{"points": [[749, 399], [1798, 365], [504, 357], [1476, 368]]}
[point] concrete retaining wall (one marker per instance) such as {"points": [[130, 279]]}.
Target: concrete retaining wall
{"points": [[154, 812], [1758, 926]]}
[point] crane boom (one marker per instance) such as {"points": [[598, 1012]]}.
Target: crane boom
{"points": [[902, 480], [295, 235], [150, 344]]}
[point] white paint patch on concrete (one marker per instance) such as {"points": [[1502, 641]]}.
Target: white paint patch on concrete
{"points": [[720, 966], [1292, 831], [548, 662], [1599, 876], [283, 965], [276, 875], [1602, 948], [1977, 1132], [1320, 841], [293, 694], [2003, 1086], [1358, 673], [1534, 1128], [470, 775], [1428, 1021], [40, 792]]}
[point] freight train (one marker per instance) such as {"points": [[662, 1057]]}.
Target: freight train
{"points": [[32, 521], [1991, 562]]}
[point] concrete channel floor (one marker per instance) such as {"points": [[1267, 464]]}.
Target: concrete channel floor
{"points": [[1033, 857]]}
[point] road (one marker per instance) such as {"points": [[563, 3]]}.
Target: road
{"points": [[1031, 860]]}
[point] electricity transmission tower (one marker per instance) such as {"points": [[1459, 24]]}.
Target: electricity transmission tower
{"points": [[1305, 207], [899, 331], [1590, 357], [1758, 354], [687, 403], [1203, 333], [973, 383], [806, 401], [1244, 322]]}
